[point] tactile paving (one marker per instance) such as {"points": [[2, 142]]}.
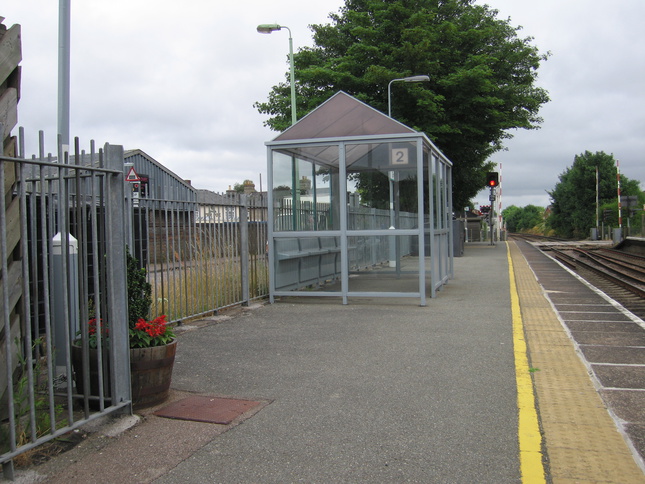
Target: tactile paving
{"points": [[582, 442]]}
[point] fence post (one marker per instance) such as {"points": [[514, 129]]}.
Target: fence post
{"points": [[116, 276], [7, 466], [244, 248]]}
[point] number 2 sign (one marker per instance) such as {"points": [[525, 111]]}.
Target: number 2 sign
{"points": [[399, 156]]}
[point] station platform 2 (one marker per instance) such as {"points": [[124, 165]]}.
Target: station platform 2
{"points": [[485, 384]]}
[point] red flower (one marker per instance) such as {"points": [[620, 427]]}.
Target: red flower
{"points": [[156, 327], [150, 333], [93, 327]]}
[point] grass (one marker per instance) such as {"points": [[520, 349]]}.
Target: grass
{"points": [[205, 284]]}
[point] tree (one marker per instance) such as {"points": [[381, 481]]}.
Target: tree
{"points": [[139, 291], [574, 197], [511, 214], [240, 187], [482, 76], [522, 219]]}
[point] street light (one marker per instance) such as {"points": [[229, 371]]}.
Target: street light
{"points": [[392, 174], [404, 79], [267, 29]]}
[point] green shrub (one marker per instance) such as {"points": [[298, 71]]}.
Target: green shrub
{"points": [[139, 291]]}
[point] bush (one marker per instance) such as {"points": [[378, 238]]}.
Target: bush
{"points": [[139, 291]]}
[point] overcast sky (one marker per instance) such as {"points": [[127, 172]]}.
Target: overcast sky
{"points": [[179, 82]]}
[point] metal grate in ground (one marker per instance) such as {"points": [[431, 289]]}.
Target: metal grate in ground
{"points": [[207, 409]]}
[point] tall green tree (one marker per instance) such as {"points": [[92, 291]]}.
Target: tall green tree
{"points": [[483, 76], [573, 207], [522, 219]]}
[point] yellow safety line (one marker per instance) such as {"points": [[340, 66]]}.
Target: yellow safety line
{"points": [[530, 438]]}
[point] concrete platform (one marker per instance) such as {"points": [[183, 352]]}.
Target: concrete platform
{"points": [[378, 391], [583, 442]]}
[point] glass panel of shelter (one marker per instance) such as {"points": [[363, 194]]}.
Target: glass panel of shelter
{"points": [[305, 193], [381, 194], [381, 182]]}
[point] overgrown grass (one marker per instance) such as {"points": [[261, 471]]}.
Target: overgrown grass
{"points": [[205, 283]]}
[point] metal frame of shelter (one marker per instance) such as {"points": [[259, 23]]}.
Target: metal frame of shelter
{"points": [[360, 205]]}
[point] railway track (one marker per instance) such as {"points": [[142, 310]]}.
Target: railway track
{"points": [[620, 275], [624, 270]]}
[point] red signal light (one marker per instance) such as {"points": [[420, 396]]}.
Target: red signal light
{"points": [[492, 179]]}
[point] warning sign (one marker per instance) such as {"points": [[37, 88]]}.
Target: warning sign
{"points": [[132, 176]]}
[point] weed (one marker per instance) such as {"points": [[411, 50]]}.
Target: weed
{"points": [[41, 423], [209, 281]]}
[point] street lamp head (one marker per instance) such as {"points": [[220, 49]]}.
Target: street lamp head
{"points": [[422, 78], [268, 28], [416, 79]]}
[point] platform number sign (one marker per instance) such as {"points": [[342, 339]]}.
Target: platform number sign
{"points": [[400, 156]]}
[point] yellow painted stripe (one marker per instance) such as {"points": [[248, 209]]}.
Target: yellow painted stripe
{"points": [[530, 438]]}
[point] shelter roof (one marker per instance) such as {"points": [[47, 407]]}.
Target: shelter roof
{"points": [[343, 116]]}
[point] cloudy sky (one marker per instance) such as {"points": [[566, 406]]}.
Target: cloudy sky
{"points": [[179, 82]]}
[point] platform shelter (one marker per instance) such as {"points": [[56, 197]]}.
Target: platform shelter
{"points": [[359, 206]]}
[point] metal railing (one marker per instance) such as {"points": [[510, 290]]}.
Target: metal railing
{"points": [[66, 223], [61, 244], [196, 265]]}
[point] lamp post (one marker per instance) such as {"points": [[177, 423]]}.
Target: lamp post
{"points": [[267, 29], [64, 21], [392, 173], [403, 79], [295, 197]]}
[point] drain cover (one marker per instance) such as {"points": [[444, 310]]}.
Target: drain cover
{"points": [[207, 409]]}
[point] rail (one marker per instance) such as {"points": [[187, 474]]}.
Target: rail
{"points": [[626, 270]]}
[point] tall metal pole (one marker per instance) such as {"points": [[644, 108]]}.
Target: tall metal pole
{"points": [[392, 173], [491, 214], [389, 98], [421, 78], [597, 202], [295, 202], [292, 79], [499, 205], [620, 215], [64, 21]]}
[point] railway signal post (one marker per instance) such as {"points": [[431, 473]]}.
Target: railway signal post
{"points": [[492, 180]]}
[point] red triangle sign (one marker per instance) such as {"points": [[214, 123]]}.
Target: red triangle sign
{"points": [[132, 176]]}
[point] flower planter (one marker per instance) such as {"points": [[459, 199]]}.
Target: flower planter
{"points": [[150, 374], [77, 364]]}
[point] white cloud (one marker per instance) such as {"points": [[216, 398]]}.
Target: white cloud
{"points": [[179, 82]]}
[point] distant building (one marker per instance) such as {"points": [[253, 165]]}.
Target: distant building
{"points": [[218, 208], [156, 181], [160, 199]]}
